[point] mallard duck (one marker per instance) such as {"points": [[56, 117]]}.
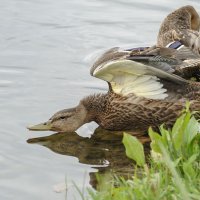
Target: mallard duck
{"points": [[139, 96], [143, 92], [179, 38], [181, 25]]}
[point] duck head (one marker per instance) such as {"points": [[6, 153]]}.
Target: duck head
{"points": [[67, 120]]}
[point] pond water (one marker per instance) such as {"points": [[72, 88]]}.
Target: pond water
{"points": [[45, 45]]}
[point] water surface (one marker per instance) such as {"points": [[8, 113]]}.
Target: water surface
{"points": [[43, 68]]}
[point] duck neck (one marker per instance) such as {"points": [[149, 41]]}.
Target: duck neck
{"points": [[95, 105]]}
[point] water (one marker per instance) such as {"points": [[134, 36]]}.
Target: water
{"points": [[43, 68]]}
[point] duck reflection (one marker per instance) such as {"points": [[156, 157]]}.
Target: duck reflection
{"points": [[104, 150]]}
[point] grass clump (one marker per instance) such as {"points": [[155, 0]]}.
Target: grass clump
{"points": [[173, 169]]}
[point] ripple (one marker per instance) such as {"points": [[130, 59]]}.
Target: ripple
{"points": [[10, 71], [48, 24], [5, 82], [10, 76], [15, 68]]}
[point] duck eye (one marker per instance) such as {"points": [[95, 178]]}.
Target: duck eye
{"points": [[62, 117]]}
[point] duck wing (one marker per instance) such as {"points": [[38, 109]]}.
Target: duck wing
{"points": [[175, 49], [182, 62], [162, 58], [138, 76], [157, 61]]}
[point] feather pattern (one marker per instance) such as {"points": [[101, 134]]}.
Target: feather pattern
{"points": [[130, 77]]}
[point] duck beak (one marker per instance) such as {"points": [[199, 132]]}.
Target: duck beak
{"points": [[41, 127]]}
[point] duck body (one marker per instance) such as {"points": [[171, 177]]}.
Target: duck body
{"points": [[135, 101], [134, 113]]}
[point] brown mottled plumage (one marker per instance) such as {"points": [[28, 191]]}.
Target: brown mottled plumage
{"points": [[116, 112], [146, 87], [183, 25]]}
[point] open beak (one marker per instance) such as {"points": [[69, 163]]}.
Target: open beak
{"points": [[41, 127]]}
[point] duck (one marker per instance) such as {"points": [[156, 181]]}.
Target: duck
{"points": [[181, 25], [145, 86], [179, 38], [180, 31]]}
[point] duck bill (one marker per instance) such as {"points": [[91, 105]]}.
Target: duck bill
{"points": [[41, 127]]}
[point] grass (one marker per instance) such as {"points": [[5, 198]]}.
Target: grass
{"points": [[172, 171]]}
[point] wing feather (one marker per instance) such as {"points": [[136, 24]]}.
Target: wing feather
{"points": [[128, 76]]}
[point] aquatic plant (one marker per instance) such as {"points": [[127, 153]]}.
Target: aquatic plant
{"points": [[171, 172]]}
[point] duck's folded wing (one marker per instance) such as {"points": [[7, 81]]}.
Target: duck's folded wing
{"points": [[186, 68], [130, 77], [161, 58], [163, 63]]}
